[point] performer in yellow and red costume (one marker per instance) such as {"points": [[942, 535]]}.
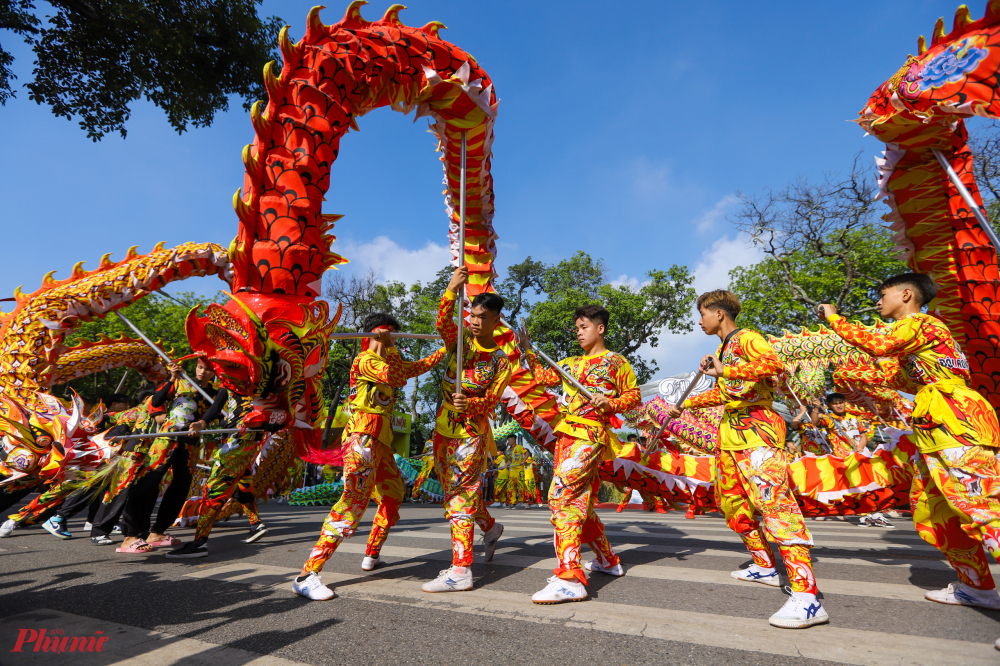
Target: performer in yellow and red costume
{"points": [[956, 486], [584, 432], [846, 433], [462, 434], [752, 476], [369, 465]]}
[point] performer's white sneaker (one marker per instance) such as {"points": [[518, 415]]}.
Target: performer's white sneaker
{"points": [[594, 566], [450, 580], [490, 540], [960, 594], [7, 528], [370, 563], [560, 590], [496, 505], [311, 587], [800, 611], [756, 574]]}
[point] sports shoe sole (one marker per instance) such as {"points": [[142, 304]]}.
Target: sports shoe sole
{"points": [[255, 536], [959, 603], [770, 582], [311, 599], [559, 601], [604, 571], [48, 528], [464, 589], [489, 555], [799, 624], [186, 556]]}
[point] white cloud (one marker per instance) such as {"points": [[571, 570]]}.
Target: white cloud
{"points": [[390, 261], [680, 352], [650, 180], [708, 219], [625, 281]]}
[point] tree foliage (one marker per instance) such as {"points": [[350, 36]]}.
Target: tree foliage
{"points": [[638, 315], [94, 58], [823, 243]]}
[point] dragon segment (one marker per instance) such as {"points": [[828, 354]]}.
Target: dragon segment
{"points": [[921, 109]]}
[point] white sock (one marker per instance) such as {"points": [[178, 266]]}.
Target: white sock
{"points": [[460, 570], [804, 596]]}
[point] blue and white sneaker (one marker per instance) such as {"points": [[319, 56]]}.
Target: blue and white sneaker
{"points": [[56, 526], [756, 574], [800, 611], [490, 540], [450, 580], [960, 594], [560, 590]]}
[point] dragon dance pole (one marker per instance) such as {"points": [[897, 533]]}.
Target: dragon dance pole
{"points": [[180, 433], [369, 334], [461, 262], [663, 426], [163, 355], [118, 389], [960, 186]]}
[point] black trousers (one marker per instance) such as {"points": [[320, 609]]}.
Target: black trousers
{"points": [[142, 496], [80, 499], [9, 499]]}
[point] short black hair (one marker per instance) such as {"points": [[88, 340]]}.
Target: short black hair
{"points": [[595, 313], [489, 301], [142, 395], [922, 284], [112, 398], [377, 319], [834, 397], [632, 438]]}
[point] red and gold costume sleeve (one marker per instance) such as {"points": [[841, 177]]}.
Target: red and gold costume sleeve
{"points": [[420, 366], [710, 398], [446, 325], [388, 370], [760, 361], [901, 340], [628, 395], [543, 376]]}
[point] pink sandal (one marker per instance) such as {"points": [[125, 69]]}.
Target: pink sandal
{"points": [[169, 541], [134, 547]]}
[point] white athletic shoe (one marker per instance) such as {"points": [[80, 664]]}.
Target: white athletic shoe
{"points": [[560, 590], [756, 574], [450, 580], [595, 566], [490, 540], [960, 594], [496, 505], [800, 611], [8, 527], [87, 527], [313, 588], [370, 563]]}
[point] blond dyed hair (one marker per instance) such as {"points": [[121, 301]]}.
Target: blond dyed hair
{"points": [[720, 299]]}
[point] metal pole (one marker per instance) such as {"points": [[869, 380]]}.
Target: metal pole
{"points": [[166, 358], [369, 334], [570, 379], [121, 383], [461, 262], [180, 433], [663, 426], [960, 186]]}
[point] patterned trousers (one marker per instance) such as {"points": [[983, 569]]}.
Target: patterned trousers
{"points": [[955, 498], [754, 482], [572, 496], [231, 462], [368, 467], [459, 465]]}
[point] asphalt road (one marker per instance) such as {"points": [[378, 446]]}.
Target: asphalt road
{"points": [[677, 603]]}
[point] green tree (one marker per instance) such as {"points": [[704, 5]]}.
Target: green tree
{"points": [[822, 243], [638, 315], [160, 317], [94, 58]]}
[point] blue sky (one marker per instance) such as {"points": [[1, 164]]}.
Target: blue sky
{"points": [[624, 130]]}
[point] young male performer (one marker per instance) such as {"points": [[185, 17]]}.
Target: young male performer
{"points": [[462, 435], [845, 432], [369, 464], [584, 437], [955, 493], [752, 475]]}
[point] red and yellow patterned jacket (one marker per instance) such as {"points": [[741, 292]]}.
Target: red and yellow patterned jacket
{"points": [[947, 412], [485, 374], [844, 432], [373, 383], [746, 388], [607, 373]]}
